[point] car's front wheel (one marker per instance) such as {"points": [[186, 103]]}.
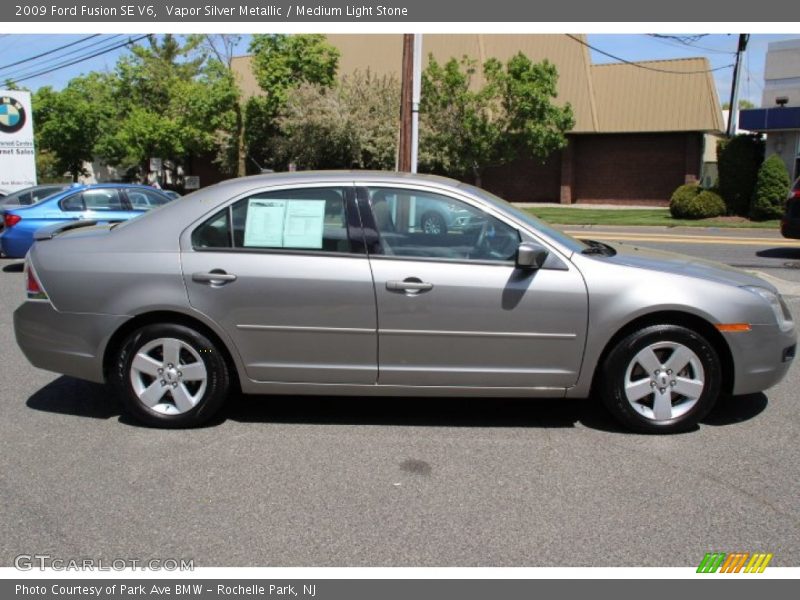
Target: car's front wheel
{"points": [[661, 379], [171, 376]]}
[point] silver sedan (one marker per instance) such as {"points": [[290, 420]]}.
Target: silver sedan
{"points": [[326, 283]]}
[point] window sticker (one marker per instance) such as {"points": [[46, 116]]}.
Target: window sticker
{"points": [[304, 224], [284, 223], [264, 224]]}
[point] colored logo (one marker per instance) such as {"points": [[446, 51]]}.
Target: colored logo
{"points": [[12, 115], [734, 562]]}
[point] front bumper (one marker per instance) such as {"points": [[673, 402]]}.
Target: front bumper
{"points": [[68, 343], [761, 357]]}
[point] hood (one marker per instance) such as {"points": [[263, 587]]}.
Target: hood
{"points": [[681, 264]]}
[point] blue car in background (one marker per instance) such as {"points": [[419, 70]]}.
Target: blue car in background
{"points": [[103, 203]]}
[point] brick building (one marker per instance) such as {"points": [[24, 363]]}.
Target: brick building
{"points": [[639, 128]]}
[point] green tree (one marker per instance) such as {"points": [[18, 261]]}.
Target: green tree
{"points": [[232, 151], [69, 123], [351, 125], [772, 187], [743, 105], [173, 101], [280, 64], [466, 128], [738, 160]]}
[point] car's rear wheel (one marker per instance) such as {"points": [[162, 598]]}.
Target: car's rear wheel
{"points": [[171, 376], [661, 379]]}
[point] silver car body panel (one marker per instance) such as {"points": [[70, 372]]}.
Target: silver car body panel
{"points": [[323, 323]]}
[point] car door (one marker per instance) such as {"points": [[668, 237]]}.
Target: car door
{"points": [[101, 204], [453, 310], [285, 273]]}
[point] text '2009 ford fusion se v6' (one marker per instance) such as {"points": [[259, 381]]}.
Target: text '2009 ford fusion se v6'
{"points": [[365, 283]]}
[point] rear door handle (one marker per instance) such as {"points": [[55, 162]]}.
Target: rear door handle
{"points": [[410, 284], [214, 277]]}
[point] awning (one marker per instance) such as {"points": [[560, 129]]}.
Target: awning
{"points": [[770, 119]]}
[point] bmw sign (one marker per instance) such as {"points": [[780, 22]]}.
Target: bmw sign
{"points": [[17, 151], [12, 115]]}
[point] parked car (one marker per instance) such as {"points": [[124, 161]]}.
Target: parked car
{"points": [[31, 195], [100, 203], [171, 193], [304, 283], [433, 217], [790, 223]]}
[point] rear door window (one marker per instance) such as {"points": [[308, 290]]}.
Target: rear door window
{"points": [[311, 219]]}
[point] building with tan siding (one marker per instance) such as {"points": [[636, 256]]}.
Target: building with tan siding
{"points": [[639, 128]]}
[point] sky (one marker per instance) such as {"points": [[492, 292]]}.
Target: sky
{"points": [[718, 48]]}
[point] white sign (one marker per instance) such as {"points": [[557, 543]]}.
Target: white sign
{"points": [[305, 224], [191, 182], [284, 223], [17, 156], [264, 224], [155, 165]]}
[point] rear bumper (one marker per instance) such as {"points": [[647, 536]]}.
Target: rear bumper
{"points": [[761, 357], [15, 245], [68, 343]]}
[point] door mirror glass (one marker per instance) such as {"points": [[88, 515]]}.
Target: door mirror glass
{"points": [[530, 256]]}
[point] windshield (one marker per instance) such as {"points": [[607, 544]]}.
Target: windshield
{"points": [[559, 236]]}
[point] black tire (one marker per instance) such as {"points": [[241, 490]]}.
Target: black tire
{"points": [[433, 223], [622, 357], [217, 377]]}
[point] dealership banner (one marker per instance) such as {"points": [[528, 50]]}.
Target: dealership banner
{"points": [[391, 589], [410, 11], [17, 158]]}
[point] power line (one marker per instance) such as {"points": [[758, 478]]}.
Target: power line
{"points": [[80, 59], [640, 65], [58, 62], [30, 58], [677, 42], [56, 59]]}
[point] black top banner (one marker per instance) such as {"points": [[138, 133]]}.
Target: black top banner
{"points": [[397, 11]]}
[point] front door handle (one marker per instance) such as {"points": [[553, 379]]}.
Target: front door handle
{"points": [[214, 277], [409, 285]]}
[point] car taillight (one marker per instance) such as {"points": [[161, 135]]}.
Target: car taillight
{"points": [[33, 288], [10, 220]]}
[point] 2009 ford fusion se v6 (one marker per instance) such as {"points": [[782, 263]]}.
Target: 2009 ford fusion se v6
{"points": [[325, 283]]}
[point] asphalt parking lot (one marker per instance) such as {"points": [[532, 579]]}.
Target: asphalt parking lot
{"points": [[294, 481]]}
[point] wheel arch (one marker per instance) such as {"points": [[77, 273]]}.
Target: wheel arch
{"points": [[683, 319], [171, 317]]}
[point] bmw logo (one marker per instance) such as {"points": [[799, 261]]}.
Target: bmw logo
{"points": [[12, 115]]}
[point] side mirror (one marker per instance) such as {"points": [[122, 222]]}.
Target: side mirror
{"points": [[530, 256]]}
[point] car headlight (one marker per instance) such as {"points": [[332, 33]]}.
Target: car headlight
{"points": [[782, 315]]}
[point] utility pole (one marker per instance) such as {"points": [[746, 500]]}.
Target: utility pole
{"points": [[733, 111], [416, 94], [406, 96]]}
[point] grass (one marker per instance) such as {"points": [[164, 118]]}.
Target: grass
{"points": [[561, 215]]}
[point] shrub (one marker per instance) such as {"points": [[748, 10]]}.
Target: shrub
{"points": [[709, 204], [738, 160], [681, 197], [690, 202], [772, 187]]}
